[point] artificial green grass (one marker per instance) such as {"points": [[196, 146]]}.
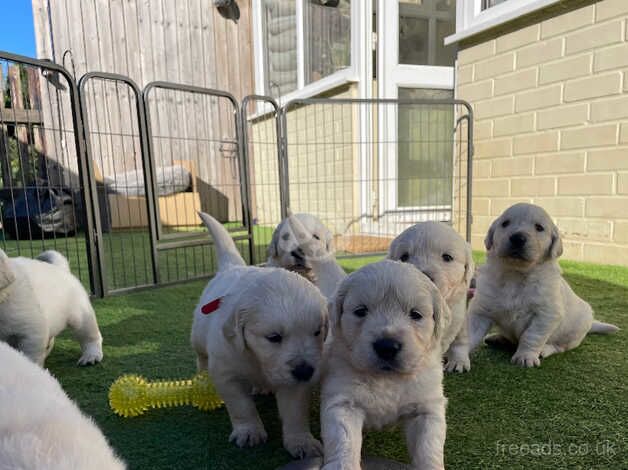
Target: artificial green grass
{"points": [[568, 414]]}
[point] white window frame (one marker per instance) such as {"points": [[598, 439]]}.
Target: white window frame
{"points": [[350, 74], [471, 19]]}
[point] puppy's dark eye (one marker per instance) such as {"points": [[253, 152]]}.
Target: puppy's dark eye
{"points": [[539, 228], [405, 257], [285, 236], [274, 338], [361, 311], [415, 314], [316, 236], [505, 223], [317, 333], [447, 258]]}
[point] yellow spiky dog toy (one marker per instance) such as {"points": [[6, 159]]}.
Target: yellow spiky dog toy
{"points": [[132, 395]]}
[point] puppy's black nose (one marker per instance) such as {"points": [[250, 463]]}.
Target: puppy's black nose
{"points": [[303, 372], [518, 239], [387, 348], [298, 254]]}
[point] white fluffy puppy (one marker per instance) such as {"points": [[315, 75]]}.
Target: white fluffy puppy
{"points": [[39, 298], [521, 290], [263, 329], [303, 244], [383, 364], [40, 427], [438, 251]]}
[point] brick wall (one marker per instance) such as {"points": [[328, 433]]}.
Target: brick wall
{"points": [[551, 108]]}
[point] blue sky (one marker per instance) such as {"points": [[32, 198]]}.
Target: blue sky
{"points": [[17, 33]]}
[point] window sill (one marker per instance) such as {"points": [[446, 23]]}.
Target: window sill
{"points": [[496, 16]]}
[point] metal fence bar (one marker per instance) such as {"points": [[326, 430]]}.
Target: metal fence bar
{"points": [[145, 158], [52, 72]]}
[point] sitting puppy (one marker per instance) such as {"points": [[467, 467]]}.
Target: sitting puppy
{"points": [[39, 298], [40, 427], [301, 243], [437, 250], [383, 364], [522, 291], [263, 329]]}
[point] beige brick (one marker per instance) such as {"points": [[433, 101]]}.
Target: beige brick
{"points": [[626, 77], [499, 205], [565, 69], [492, 68], [511, 125], [572, 250], [610, 9], [490, 187], [477, 240], [604, 254], [559, 163], [493, 148], [475, 53], [515, 82], [592, 136], [481, 206], [610, 110], [623, 133], [563, 116], [567, 22], [562, 206], [585, 228], [481, 224], [476, 91], [620, 232], [593, 87], [611, 58], [518, 38], [540, 52], [622, 183], [592, 38], [482, 168], [537, 143], [607, 207], [537, 99], [608, 159], [582, 185], [464, 74], [536, 186], [483, 129], [495, 107], [519, 166]]}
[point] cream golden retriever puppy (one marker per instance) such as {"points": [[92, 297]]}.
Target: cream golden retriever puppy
{"points": [[40, 427], [39, 298], [520, 289], [260, 329], [383, 364], [438, 251], [303, 244]]}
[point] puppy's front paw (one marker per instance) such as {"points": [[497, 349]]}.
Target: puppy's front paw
{"points": [[526, 359], [302, 446], [92, 354], [248, 435], [458, 364]]}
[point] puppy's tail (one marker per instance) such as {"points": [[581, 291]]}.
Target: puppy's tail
{"points": [[602, 328], [228, 254], [55, 258]]}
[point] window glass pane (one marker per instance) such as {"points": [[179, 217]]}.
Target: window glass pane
{"points": [[491, 3], [280, 41], [422, 26], [425, 151], [328, 39]]}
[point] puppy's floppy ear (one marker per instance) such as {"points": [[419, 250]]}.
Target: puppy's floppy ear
{"points": [[469, 265], [233, 328], [6, 273], [442, 314], [273, 250], [488, 241], [556, 246], [335, 305]]}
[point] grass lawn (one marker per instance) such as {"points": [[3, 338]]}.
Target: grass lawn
{"points": [[574, 404]]}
